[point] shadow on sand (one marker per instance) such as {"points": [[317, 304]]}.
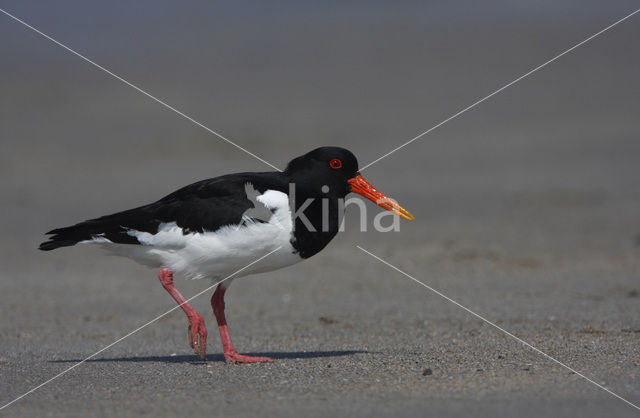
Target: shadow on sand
{"points": [[219, 357]]}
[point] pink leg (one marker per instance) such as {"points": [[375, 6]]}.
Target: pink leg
{"points": [[196, 322], [230, 353]]}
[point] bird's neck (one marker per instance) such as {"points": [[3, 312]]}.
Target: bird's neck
{"points": [[316, 222]]}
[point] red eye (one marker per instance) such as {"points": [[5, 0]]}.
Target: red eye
{"points": [[335, 163]]}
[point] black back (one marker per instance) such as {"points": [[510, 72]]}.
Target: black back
{"points": [[206, 205]]}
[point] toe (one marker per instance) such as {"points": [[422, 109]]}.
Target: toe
{"points": [[239, 358], [203, 344], [190, 335]]}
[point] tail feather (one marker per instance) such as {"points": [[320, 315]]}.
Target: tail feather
{"points": [[101, 227], [54, 243], [68, 236]]}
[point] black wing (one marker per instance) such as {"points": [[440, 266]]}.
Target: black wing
{"points": [[203, 206]]}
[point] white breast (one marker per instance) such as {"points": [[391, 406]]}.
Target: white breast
{"points": [[218, 254]]}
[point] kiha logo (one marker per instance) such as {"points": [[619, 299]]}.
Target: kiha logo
{"points": [[260, 212]]}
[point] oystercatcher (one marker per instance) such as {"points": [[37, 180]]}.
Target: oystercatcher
{"points": [[210, 229]]}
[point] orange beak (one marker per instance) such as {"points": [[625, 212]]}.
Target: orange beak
{"points": [[362, 187]]}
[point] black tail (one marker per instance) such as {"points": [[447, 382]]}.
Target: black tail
{"points": [[54, 243], [68, 236], [112, 227]]}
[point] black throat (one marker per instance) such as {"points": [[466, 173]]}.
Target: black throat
{"points": [[316, 222]]}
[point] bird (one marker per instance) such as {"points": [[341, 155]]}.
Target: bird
{"points": [[213, 228]]}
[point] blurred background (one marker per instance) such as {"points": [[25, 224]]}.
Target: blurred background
{"points": [[527, 205]]}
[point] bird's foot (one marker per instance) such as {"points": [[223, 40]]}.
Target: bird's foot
{"points": [[234, 357], [198, 335]]}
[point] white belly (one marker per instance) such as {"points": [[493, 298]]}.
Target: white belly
{"points": [[216, 255]]}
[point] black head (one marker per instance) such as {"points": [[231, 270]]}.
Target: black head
{"points": [[333, 172], [323, 167]]}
